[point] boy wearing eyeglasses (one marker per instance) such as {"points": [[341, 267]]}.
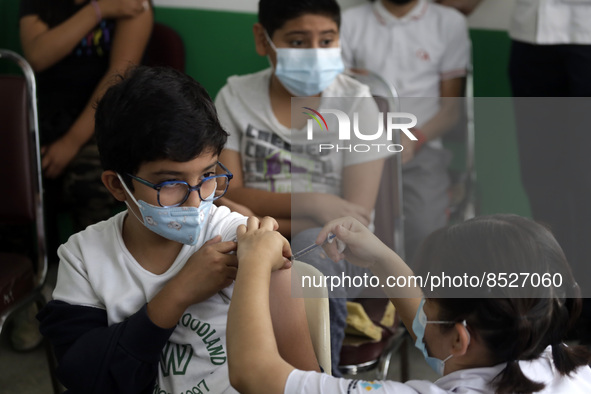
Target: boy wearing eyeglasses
{"points": [[141, 299]]}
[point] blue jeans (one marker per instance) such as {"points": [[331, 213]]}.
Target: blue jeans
{"points": [[338, 295]]}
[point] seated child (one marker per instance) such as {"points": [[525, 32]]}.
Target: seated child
{"points": [[141, 299], [277, 171], [478, 344], [301, 41]]}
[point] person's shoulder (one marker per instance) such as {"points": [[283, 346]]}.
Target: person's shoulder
{"points": [[97, 235], [358, 11], [224, 222], [346, 86], [222, 212], [446, 14], [238, 84]]}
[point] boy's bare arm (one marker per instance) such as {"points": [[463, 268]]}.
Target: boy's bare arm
{"points": [[254, 360], [361, 183], [307, 209], [261, 202], [444, 120], [449, 111], [290, 325], [360, 188]]}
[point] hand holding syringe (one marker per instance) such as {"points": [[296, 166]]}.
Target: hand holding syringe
{"points": [[308, 249]]}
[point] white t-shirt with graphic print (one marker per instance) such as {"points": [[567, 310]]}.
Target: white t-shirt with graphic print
{"points": [[276, 159], [97, 270]]}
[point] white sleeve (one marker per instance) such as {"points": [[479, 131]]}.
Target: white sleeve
{"points": [[303, 382], [73, 285], [222, 105], [456, 56], [224, 222]]}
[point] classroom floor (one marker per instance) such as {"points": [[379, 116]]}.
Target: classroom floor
{"points": [[28, 373]]}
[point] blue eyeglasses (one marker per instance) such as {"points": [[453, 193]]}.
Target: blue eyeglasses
{"points": [[175, 193]]}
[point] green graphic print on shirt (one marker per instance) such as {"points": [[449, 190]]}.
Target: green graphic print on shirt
{"points": [[176, 357]]}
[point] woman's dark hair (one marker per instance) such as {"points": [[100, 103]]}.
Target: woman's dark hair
{"points": [[514, 326], [273, 14], [154, 114]]}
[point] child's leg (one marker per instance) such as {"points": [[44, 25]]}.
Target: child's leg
{"points": [[425, 189]]}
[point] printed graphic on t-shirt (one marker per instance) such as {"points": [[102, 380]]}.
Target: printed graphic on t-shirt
{"points": [[365, 386], [272, 164], [195, 361], [97, 42]]}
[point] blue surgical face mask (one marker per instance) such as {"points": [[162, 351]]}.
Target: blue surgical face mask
{"points": [[307, 71], [180, 224], [418, 326]]}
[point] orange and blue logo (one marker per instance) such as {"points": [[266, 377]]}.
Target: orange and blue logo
{"points": [[315, 116], [369, 386]]}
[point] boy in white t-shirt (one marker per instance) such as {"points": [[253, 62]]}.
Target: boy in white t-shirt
{"points": [[423, 49], [141, 299], [255, 109], [277, 171]]}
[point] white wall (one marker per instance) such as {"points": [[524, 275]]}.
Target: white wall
{"points": [[220, 5], [491, 14], [230, 5]]}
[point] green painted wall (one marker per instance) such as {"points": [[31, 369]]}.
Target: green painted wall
{"points": [[220, 44], [497, 166], [9, 25]]}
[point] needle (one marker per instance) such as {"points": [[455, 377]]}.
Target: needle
{"points": [[310, 248]]}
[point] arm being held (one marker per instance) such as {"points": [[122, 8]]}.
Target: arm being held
{"points": [[250, 329]]}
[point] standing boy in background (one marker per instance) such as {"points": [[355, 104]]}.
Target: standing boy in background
{"points": [[423, 49]]}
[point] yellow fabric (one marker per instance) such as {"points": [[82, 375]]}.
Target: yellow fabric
{"points": [[358, 323], [388, 318]]}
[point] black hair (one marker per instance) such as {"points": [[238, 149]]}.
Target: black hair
{"points": [[155, 113], [513, 328], [273, 14]]}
